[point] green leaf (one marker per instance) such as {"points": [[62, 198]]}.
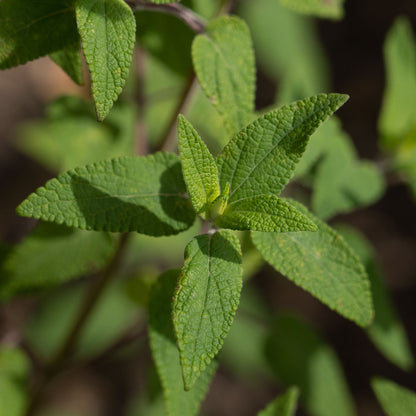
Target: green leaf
{"points": [[398, 112], [198, 166], [14, 371], [69, 59], [264, 213], [108, 33], [295, 58], [205, 118], [405, 160], [144, 194], [386, 331], [331, 9], [114, 314], [71, 137], [284, 405], [53, 254], [206, 299], [320, 145], [155, 36], [311, 364], [322, 264], [207, 9], [261, 159], [162, 91], [29, 30], [245, 341], [166, 355], [223, 59], [394, 399], [343, 183]]}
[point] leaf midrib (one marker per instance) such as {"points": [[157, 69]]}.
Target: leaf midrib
{"points": [[210, 236], [267, 154]]}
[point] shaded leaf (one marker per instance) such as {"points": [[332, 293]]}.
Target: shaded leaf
{"points": [[295, 58], [262, 157], [398, 113], [284, 405], [198, 166], [343, 183], [166, 355], [250, 326], [14, 371], [144, 194], [319, 145], [53, 254], [323, 264], [69, 59], [206, 299], [108, 33], [394, 399], [155, 36], [29, 30], [264, 213], [386, 331], [299, 356], [71, 137], [223, 59], [208, 122]]}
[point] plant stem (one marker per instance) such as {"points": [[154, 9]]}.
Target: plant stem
{"points": [[189, 17], [168, 141], [94, 291], [65, 352], [196, 23]]}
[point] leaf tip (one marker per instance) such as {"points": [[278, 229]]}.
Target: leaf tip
{"points": [[101, 113], [340, 98], [22, 210]]}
